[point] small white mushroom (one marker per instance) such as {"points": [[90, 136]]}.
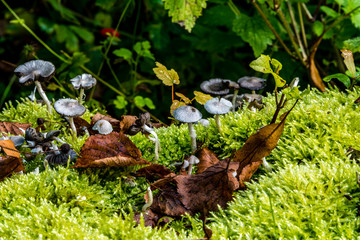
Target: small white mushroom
{"points": [[103, 127], [150, 199], [82, 82], [192, 160], [218, 107]]}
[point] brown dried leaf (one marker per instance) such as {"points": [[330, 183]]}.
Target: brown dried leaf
{"points": [[260, 144], [8, 147], [153, 172], [126, 121], [314, 72], [168, 77], [115, 123], [247, 172], [8, 165], [112, 150], [14, 128], [207, 159], [199, 193], [357, 100]]}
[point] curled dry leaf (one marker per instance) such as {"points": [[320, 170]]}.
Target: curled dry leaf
{"points": [[13, 128], [10, 163], [207, 159], [115, 123], [199, 193], [153, 172], [112, 150], [126, 121]]}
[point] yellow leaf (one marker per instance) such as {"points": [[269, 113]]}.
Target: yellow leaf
{"points": [[168, 77], [183, 98], [9, 148], [202, 98], [175, 105]]}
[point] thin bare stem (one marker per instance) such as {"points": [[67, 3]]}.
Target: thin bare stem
{"points": [[270, 26], [302, 27]]}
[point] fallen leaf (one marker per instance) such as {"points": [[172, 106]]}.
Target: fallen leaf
{"points": [[260, 144], [357, 100], [8, 147], [80, 123], [126, 121], [13, 128], [153, 172], [247, 172], [199, 193], [112, 150], [9, 165], [207, 159], [314, 72]]}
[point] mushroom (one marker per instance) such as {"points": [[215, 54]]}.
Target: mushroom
{"points": [[188, 114], [70, 108], [238, 103], [254, 100], [83, 81], [143, 124], [62, 156], [192, 160], [36, 71], [218, 107], [215, 86], [236, 88], [103, 127], [252, 83]]}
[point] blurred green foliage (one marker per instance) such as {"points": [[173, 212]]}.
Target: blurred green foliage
{"points": [[200, 39]]}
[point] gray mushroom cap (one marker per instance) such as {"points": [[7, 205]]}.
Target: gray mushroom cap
{"points": [[252, 83], [187, 114], [247, 97], [103, 127], [69, 107], [34, 70], [238, 101], [84, 81], [218, 106], [215, 86]]}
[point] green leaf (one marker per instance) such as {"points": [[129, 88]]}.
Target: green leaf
{"points": [[318, 28], [149, 103], [120, 102], [292, 93], [139, 101], [137, 47], [124, 53], [339, 76], [254, 31], [329, 11], [72, 42], [79, 59], [62, 33], [168, 77], [84, 34], [46, 25], [103, 20], [185, 12], [262, 64]]}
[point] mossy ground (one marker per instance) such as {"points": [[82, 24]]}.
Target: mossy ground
{"points": [[312, 191]]}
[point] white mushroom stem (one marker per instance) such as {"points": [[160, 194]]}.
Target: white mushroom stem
{"points": [[266, 165], [150, 200], [234, 99], [192, 134], [155, 140], [81, 95], [43, 96], [217, 121], [192, 160], [72, 125]]}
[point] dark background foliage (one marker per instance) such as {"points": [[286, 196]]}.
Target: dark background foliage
{"points": [[221, 45]]}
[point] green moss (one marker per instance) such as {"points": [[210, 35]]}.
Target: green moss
{"points": [[304, 197]]}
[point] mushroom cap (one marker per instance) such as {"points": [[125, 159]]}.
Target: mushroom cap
{"points": [[32, 135], [63, 157], [187, 114], [84, 81], [103, 127], [52, 135], [218, 106], [69, 107], [247, 97], [252, 83], [34, 70], [215, 86]]}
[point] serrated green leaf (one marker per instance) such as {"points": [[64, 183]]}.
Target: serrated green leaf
{"points": [[254, 31], [139, 101], [168, 77], [339, 76], [202, 98], [352, 44], [84, 34], [149, 103], [185, 11], [120, 102], [124, 53], [329, 11]]}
